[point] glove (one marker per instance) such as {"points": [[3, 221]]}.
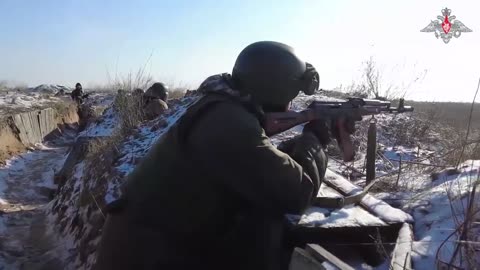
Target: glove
{"points": [[307, 151], [320, 129]]}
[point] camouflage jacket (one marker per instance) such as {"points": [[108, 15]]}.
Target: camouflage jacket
{"points": [[213, 166]]}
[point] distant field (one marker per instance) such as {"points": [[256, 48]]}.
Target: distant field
{"points": [[455, 114]]}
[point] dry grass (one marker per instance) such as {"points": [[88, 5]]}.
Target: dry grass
{"points": [[453, 131], [96, 148], [176, 93], [465, 254], [129, 109]]}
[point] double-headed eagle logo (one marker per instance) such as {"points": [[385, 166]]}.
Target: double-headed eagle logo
{"points": [[446, 26]]}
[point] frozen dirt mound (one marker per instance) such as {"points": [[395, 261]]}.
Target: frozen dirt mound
{"points": [[90, 181], [50, 89]]}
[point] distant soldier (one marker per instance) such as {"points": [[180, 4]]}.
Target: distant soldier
{"points": [[77, 94], [155, 100], [84, 112]]}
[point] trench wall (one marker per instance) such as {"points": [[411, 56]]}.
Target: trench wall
{"points": [[23, 130]]}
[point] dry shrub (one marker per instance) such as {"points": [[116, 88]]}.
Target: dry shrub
{"points": [[97, 147], [466, 217], [176, 93], [129, 109], [62, 108], [373, 84]]}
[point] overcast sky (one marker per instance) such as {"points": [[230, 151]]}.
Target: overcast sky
{"points": [[66, 41]]}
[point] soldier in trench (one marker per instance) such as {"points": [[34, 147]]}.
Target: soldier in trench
{"points": [[83, 111], [213, 192], [155, 100]]}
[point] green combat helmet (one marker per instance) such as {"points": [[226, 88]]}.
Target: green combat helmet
{"points": [[273, 74], [157, 90]]}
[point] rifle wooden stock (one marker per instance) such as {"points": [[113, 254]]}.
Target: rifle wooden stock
{"points": [[279, 122]]}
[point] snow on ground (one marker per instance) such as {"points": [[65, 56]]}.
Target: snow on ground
{"points": [[99, 99], [426, 201], [138, 145], [26, 182], [21, 100], [438, 208], [103, 127], [20, 165], [50, 89], [438, 211], [435, 215], [11, 102], [349, 216]]}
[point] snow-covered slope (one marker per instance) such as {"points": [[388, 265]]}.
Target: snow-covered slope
{"points": [[15, 102], [50, 89], [94, 182], [21, 100]]}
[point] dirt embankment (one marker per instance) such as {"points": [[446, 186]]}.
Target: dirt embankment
{"points": [[20, 131]]}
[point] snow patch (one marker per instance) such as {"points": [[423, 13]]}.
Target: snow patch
{"points": [[104, 127], [349, 216], [137, 147]]}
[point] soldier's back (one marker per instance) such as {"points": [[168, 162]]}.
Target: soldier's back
{"points": [[154, 108]]}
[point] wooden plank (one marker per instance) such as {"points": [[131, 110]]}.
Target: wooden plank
{"points": [[322, 254], [26, 118], [302, 260], [48, 122], [42, 121], [401, 257], [375, 206], [17, 121], [36, 125], [51, 120]]}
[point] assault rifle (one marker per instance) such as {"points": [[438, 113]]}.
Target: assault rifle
{"points": [[337, 112]]}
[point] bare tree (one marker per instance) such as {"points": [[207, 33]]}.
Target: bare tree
{"points": [[372, 83]]}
